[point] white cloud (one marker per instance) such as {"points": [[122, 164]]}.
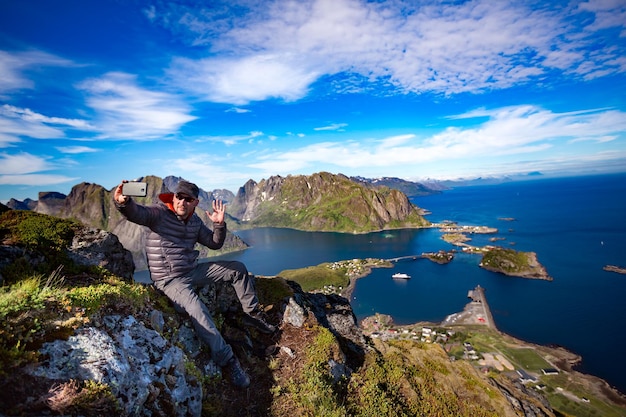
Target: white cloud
{"points": [[232, 139], [14, 65], [240, 81], [35, 179], [507, 131], [16, 123], [238, 110], [76, 149], [126, 111], [32, 117], [280, 48], [334, 126], [23, 163]]}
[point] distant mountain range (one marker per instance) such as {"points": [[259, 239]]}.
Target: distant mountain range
{"points": [[318, 202]]}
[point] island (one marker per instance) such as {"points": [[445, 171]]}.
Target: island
{"points": [[613, 268], [440, 257], [514, 263], [495, 258]]}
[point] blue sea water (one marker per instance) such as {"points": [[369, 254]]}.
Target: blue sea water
{"points": [[575, 225]]}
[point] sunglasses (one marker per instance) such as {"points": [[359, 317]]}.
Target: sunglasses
{"points": [[186, 198]]}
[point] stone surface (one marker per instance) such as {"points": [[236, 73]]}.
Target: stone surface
{"points": [[133, 360], [96, 247]]}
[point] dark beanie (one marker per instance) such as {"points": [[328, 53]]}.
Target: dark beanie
{"points": [[187, 188]]}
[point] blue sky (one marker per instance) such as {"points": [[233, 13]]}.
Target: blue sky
{"points": [[223, 92]]}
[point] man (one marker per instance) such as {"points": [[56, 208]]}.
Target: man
{"points": [[174, 229]]}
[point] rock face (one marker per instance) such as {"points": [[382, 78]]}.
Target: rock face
{"points": [[27, 204], [333, 312], [96, 247], [89, 247], [323, 202], [146, 373]]}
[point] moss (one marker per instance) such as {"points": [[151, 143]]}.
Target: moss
{"points": [[115, 293], [271, 291], [314, 391], [42, 235]]}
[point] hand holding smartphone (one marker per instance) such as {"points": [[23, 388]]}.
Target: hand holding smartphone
{"points": [[135, 189]]}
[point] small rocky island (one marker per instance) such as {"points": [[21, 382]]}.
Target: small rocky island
{"points": [[494, 258], [514, 263], [613, 268], [440, 257]]}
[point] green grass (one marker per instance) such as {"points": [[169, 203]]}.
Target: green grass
{"points": [[508, 260], [314, 392], [316, 277], [527, 359]]}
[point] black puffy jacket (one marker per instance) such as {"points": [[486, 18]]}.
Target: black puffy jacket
{"points": [[170, 241]]}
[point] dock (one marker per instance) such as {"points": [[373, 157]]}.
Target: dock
{"points": [[476, 312]]}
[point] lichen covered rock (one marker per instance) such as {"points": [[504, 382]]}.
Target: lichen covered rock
{"points": [[143, 370]]}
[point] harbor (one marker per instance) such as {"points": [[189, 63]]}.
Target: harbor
{"points": [[475, 312]]}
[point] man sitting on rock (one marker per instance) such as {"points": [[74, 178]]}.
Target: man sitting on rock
{"points": [[174, 229]]}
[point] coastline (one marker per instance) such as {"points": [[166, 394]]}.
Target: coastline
{"points": [[475, 316]]}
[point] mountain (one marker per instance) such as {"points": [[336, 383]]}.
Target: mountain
{"points": [[27, 204], [319, 202], [323, 202], [92, 205], [410, 188]]}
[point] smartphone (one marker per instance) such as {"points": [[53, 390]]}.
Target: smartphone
{"points": [[135, 189]]}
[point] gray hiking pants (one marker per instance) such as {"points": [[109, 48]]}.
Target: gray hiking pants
{"points": [[182, 293]]}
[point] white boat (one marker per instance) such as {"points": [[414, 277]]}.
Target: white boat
{"points": [[401, 275]]}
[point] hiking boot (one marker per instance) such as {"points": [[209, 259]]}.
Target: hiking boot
{"points": [[258, 319], [238, 376]]}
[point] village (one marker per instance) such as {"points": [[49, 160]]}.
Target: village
{"points": [[454, 340]]}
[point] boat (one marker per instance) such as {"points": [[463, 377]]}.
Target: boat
{"points": [[401, 275]]}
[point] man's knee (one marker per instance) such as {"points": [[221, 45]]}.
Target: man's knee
{"points": [[240, 269]]}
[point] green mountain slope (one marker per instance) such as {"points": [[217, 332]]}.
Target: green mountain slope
{"points": [[324, 202]]}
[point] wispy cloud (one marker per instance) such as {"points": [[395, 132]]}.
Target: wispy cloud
{"points": [[238, 110], [26, 169], [334, 126], [36, 179], [232, 139], [13, 67], [124, 110], [507, 131], [23, 163], [280, 48], [76, 149], [16, 123]]}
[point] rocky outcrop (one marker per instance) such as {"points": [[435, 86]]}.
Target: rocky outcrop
{"points": [[27, 204], [324, 202], [89, 247], [96, 247], [146, 373], [50, 202]]}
